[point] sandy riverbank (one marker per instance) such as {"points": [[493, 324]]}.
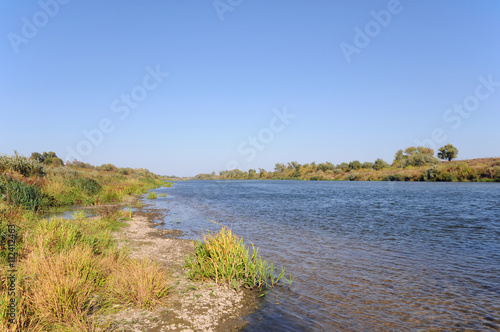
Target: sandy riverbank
{"points": [[191, 306]]}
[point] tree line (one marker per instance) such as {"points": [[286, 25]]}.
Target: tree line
{"points": [[405, 166]]}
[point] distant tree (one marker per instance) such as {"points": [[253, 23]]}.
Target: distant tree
{"points": [[294, 165], [379, 164], [367, 165], [328, 166], [37, 156], [447, 152], [411, 150], [424, 150], [343, 166], [279, 167], [251, 173], [113, 168], [398, 158], [414, 156], [355, 165], [53, 161], [49, 154], [262, 173]]}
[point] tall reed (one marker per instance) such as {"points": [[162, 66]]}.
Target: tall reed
{"points": [[224, 258]]}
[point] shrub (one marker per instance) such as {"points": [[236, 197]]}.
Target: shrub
{"points": [[393, 177], [109, 168], [326, 167], [22, 165], [53, 161], [89, 186], [354, 177], [379, 164], [30, 197], [224, 258], [367, 165], [355, 165]]}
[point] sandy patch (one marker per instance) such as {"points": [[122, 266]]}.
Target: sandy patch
{"points": [[191, 306]]}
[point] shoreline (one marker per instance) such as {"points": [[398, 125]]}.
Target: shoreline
{"points": [[190, 305]]}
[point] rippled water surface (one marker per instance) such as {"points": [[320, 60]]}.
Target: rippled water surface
{"points": [[366, 255]]}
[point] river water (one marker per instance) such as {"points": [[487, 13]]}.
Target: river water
{"points": [[366, 256]]}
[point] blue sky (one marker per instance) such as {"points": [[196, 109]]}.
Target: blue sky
{"points": [[355, 80]]}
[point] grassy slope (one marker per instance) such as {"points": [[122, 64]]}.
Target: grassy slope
{"points": [[68, 271]]}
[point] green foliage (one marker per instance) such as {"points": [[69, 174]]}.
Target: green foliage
{"points": [[125, 171], [437, 173], [89, 186], [448, 152], [380, 164], [16, 193], [22, 165], [279, 167], [326, 167], [367, 165], [414, 156], [109, 168], [53, 161], [343, 166], [354, 177], [223, 257], [393, 177], [354, 165], [152, 195]]}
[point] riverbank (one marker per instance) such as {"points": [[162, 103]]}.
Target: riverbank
{"points": [[472, 170], [190, 305], [102, 267]]}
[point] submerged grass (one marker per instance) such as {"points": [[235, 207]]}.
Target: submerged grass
{"points": [[224, 258], [152, 195]]}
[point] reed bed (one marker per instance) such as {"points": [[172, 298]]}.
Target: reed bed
{"points": [[224, 258]]}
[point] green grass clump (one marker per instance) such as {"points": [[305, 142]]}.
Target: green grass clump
{"points": [[16, 193], [152, 195], [163, 195], [223, 257]]}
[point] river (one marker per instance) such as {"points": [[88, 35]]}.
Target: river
{"points": [[366, 256]]}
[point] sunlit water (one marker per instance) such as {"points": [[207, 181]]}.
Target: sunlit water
{"points": [[366, 255]]}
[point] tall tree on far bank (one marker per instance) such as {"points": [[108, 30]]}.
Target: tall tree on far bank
{"points": [[447, 152]]}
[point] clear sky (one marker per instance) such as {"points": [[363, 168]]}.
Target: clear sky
{"points": [[184, 87]]}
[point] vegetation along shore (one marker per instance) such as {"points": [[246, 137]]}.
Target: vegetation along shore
{"points": [[107, 268], [412, 164]]}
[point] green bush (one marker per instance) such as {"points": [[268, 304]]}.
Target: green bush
{"points": [[25, 166], [367, 165], [354, 177], [30, 197], [379, 164], [89, 186], [355, 165], [393, 177]]}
